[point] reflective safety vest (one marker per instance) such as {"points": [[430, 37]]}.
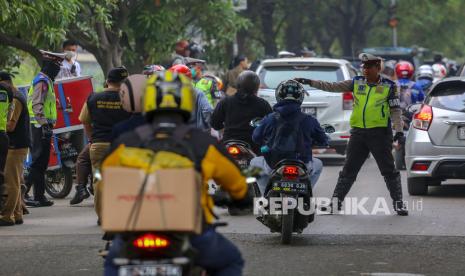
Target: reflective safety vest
{"points": [[206, 86], [371, 106], [4, 106], [50, 105]]}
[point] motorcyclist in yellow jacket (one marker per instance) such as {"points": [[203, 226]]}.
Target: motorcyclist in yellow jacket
{"points": [[167, 105]]}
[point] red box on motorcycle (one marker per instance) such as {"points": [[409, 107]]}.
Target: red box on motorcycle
{"points": [[71, 95], [169, 200]]}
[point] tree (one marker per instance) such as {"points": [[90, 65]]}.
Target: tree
{"points": [[33, 25], [129, 32]]}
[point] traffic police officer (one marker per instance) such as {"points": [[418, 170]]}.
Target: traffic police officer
{"points": [[376, 107], [6, 97], [99, 114], [41, 104]]}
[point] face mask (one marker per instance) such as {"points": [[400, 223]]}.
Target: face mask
{"points": [[70, 55], [193, 72]]}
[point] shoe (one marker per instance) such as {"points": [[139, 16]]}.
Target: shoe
{"points": [[19, 221], [400, 208], [6, 223], [39, 203], [80, 195]]}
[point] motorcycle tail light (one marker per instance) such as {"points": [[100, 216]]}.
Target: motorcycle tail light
{"points": [[291, 172], [422, 119], [233, 150], [151, 241]]}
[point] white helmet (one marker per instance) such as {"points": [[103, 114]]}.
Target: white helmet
{"points": [[425, 72], [439, 72]]}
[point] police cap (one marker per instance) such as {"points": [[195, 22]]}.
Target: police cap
{"points": [[117, 74], [369, 58]]}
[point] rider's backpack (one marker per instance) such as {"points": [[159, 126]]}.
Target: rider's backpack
{"points": [[286, 140]]}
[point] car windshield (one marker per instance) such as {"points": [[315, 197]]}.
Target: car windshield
{"points": [[450, 99], [271, 76]]}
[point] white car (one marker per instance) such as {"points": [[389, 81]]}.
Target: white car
{"points": [[332, 110]]}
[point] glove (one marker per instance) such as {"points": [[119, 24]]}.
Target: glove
{"points": [[304, 81], [47, 131], [399, 137]]}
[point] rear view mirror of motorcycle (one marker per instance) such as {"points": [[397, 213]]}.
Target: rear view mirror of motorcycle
{"points": [[414, 108], [256, 122]]}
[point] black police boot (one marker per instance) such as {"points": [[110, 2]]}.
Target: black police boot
{"points": [[394, 185], [342, 189], [2, 189], [80, 195]]}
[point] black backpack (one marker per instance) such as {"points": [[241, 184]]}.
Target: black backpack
{"points": [[286, 140]]}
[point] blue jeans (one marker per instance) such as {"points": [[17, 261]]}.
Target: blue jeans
{"points": [[216, 254], [315, 167]]}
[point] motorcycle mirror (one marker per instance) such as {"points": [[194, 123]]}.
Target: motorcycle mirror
{"points": [[256, 122], [414, 108]]}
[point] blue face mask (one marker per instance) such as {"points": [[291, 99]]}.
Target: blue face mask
{"points": [[193, 72]]}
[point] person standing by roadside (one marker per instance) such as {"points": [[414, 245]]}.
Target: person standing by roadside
{"points": [[18, 131], [70, 67], [6, 97], [99, 114], [376, 106], [41, 104], [239, 64]]}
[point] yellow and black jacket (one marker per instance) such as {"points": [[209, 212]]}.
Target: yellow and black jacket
{"points": [[210, 159]]}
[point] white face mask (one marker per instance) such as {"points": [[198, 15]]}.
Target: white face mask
{"points": [[70, 56]]}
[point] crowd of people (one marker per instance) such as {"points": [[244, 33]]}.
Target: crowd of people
{"points": [[207, 109]]}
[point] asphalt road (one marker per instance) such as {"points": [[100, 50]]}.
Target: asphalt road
{"points": [[64, 240]]}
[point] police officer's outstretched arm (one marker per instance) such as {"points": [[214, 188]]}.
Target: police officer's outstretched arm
{"points": [[341, 86]]}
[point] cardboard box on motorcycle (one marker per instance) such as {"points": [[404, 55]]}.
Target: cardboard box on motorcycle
{"points": [[170, 200]]}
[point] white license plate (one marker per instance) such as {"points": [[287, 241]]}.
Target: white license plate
{"points": [[150, 270], [461, 133], [309, 110]]}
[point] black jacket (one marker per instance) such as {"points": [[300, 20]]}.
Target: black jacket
{"points": [[234, 114]]}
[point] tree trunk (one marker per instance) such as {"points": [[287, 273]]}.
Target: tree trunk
{"points": [[294, 18], [266, 14]]}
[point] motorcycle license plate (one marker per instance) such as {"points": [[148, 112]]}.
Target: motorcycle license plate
{"points": [[461, 133], [243, 164], [150, 270], [309, 110], [289, 186]]}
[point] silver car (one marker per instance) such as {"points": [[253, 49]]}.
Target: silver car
{"points": [[332, 110], [435, 145]]}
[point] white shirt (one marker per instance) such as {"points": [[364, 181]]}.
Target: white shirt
{"points": [[65, 70]]}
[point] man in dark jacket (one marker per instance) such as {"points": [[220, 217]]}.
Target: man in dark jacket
{"points": [[289, 95], [234, 113]]}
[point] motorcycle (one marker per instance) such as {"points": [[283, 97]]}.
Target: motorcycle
{"points": [[60, 172], [241, 152], [289, 182], [399, 147]]}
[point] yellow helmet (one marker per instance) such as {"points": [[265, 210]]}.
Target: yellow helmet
{"points": [[168, 91]]}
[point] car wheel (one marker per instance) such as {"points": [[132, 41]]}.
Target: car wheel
{"points": [[417, 186]]}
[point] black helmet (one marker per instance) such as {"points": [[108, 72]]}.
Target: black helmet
{"points": [[290, 90], [248, 82]]}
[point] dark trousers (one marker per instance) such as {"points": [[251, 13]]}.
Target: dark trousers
{"points": [[3, 154], [40, 153], [84, 166], [215, 253], [378, 142]]}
